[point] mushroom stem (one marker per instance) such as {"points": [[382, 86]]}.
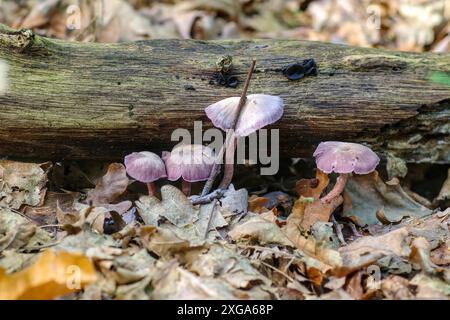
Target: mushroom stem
{"points": [[186, 188], [338, 188], [151, 189], [229, 164]]}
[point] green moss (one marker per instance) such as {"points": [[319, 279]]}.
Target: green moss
{"points": [[442, 78]]}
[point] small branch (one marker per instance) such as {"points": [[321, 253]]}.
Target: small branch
{"points": [[216, 168], [338, 229], [217, 194]]}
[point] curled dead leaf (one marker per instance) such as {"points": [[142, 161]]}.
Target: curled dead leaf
{"points": [[257, 229], [368, 194], [162, 241], [109, 187]]}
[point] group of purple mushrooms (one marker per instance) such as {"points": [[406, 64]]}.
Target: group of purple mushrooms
{"points": [[195, 163]]}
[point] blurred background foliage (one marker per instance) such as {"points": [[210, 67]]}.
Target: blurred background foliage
{"points": [[407, 25]]}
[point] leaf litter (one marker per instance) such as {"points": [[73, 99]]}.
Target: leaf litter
{"points": [[249, 251], [266, 245]]}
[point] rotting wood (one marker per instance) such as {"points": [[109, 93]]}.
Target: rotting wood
{"points": [[100, 101]]}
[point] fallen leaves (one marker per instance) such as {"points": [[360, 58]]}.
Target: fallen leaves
{"points": [[17, 232], [109, 187], [173, 206], [250, 250], [368, 250], [367, 200], [259, 230], [314, 211], [22, 183], [53, 275]]}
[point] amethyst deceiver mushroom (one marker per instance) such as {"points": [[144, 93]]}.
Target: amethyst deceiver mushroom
{"points": [[145, 167], [258, 111], [191, 162], [344, 158]]}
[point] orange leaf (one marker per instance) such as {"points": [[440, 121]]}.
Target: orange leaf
{"points": [[310, 213], [53, 275], [256, 204], [312, 188]]}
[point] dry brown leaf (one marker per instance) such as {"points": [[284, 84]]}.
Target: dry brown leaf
{"points": [[235, 201], [121, 23], [256, 204], [40, 14], [53, 275], [22, 183], [314, 211], [368, 194], [18, 237], [430, 287], [441, 255], [318, 211], [66, 217], [257, 229], [82, 215], [18, 232], [174, 282], [354, 286], [174, 206], [47, 213], [396, 288], [162, 241], [303, 241], [312, 188], [109, 187], [369, 249], [221, 261], [420, 254]]}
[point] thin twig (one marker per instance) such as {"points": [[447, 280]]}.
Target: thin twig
{"points": [[44, 246], [52, 226], [217, 194], [259, 248], [277, 270], [216, 168], [338, 229]]}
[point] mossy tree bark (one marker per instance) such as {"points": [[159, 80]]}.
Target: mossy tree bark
{"points": [[101, 101]]}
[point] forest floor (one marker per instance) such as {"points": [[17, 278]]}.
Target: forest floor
{"points": [[86, 230]]}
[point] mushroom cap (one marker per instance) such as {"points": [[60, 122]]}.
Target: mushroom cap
{"points": [[145, 166], [259, 111], [192, 162], [345, 157]]}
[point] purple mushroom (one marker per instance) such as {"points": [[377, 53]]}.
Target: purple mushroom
{"points": [[191, 162], [145, 167], [344, 158], [258, 111]]}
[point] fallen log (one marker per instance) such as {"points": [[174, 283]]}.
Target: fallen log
{"points": [[100, 101]]}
